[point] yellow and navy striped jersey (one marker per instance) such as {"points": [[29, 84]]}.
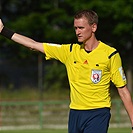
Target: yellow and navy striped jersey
{"points": [[89, 74]]}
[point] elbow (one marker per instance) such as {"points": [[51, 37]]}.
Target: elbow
{"points": [[33, 46]]}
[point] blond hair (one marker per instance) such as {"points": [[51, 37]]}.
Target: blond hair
{"points": [[91, 16]]}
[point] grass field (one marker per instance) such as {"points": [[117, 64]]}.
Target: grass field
{"points": [[113, 130]]}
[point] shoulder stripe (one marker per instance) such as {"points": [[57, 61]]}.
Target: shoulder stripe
{"points": [[112, 54], [71, 47]]}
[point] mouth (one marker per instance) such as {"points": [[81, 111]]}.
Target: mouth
{"points": [[79, 36], [80, 39]]}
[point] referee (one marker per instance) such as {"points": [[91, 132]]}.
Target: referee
{"points": [[91, 66]]}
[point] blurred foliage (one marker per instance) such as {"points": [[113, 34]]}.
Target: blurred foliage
{"points": [[52, 21], [55, 76]]}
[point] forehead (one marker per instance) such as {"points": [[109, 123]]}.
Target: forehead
{"points": [[81, 21]]}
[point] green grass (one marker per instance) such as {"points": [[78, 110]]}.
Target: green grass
{"points": [[33, 94], [36, 131], [119, 130], [112, 130]]}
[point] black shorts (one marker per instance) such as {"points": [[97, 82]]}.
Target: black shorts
{"points": [[89, 121]]}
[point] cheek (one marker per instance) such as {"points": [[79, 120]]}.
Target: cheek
{"points": [[87, 33]]}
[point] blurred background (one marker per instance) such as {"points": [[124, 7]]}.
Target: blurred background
{"points": [[33, 88]]}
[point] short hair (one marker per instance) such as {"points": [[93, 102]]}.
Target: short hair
{"points": [[89, 14]]}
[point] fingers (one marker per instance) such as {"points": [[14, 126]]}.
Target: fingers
{"points": [[1, 25]]}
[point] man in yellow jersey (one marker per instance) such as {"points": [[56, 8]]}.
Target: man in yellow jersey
{"points": [[90, 67]]}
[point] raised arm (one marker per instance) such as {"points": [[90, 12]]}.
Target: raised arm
{"points": [[23, 40]]}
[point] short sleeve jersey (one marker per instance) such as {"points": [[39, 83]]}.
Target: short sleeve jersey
{"points": [[89, 74]]}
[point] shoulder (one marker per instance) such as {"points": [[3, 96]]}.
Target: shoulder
{"points": [[106, 46], [71, 46], [75, 46], [109, 50]]}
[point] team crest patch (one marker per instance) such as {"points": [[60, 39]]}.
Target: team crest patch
{"points": [[96, 76]]}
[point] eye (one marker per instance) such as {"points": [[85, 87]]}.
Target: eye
{"points": [[75, 28], [81, 28]]}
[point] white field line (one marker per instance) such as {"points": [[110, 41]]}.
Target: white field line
{"points": [[112, 125]]}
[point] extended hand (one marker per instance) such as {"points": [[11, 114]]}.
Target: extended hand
{"points": [[1, 25]]}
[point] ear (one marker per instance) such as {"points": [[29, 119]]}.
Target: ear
{"points": [[94, 27]]}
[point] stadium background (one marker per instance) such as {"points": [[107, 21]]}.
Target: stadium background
{"points": [[34, 93]]}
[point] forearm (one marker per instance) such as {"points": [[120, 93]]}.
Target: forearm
{"points": [[28, 42], [127, 101], [23, 40], [129, 107]]}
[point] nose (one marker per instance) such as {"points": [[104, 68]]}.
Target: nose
{"points": [[77, 31]]}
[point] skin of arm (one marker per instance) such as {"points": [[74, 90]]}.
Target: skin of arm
{"points": [[25, 41], [28, 42], [127, 101]]}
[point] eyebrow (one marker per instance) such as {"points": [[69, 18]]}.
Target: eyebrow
{"points": [[79, 27]]}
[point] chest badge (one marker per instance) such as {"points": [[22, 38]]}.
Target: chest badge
{"points": [[96, 76]]}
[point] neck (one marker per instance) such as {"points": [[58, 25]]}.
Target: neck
{"points": [[91, 44]]}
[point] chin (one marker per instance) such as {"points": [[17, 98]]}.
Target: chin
{"points": [[79, 40]]}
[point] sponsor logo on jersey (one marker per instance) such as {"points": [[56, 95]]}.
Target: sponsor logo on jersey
{"points": [[96, 76], [85, 62]]}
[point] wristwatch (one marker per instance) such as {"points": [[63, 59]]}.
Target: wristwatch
{"points": [[132, 128]]}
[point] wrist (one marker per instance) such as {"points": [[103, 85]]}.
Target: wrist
{"points": [[7, 32]]}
